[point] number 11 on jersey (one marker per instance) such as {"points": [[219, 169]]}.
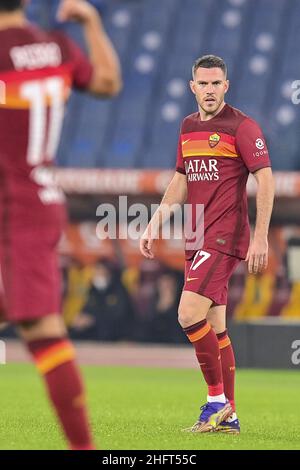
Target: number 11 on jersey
{"points": [[44, 126]]}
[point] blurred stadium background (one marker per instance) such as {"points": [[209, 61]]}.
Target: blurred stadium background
{"points": [[127, 146]]}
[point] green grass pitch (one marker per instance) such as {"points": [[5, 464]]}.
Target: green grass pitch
{"points": [[141, 408]]}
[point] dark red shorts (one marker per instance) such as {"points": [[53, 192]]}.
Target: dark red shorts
{"points": [[208, 274], [31, 286]]}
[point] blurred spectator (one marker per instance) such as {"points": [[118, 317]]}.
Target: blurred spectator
{"points": [[77, 282], [143, 297], [108, 314], [161, 324]]}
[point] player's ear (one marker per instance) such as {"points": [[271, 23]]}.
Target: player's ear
{"points": [[192, 86], [226, 85]]}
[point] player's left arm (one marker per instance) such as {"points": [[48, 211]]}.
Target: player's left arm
{"points": [[253, 149], [257, 256]]}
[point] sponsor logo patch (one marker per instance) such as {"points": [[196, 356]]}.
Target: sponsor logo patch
{"points": [[259, 144]]}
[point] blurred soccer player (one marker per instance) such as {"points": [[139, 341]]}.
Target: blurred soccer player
{"points": [[218, 147], [37, 70]]}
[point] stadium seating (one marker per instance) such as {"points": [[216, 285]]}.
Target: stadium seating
{"points": [[157, 45]]}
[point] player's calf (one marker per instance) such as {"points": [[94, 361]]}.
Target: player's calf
{"points": [[54, 357]]}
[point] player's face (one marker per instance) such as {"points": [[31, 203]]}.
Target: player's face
{"points": [[209, 86]]}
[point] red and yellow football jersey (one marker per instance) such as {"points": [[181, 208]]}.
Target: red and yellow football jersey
{"points": [[37, 71], [217, 156]]}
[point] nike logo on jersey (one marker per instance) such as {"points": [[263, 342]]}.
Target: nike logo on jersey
{"points": [[192, 278]]}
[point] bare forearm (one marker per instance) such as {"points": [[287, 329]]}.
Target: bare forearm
{"points": [[257, 255], [264, 206], [101, 52], [176, 192], [174, 197]]}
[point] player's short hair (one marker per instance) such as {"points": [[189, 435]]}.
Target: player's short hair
{"points": [[209, 62], [10, 5]]}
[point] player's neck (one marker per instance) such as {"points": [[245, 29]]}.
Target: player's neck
{"points": [[13, 19], [207, 116]]}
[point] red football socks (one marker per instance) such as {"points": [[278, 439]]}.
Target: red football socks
{"points": [[55, 360], [206, 345], [228, 366]]}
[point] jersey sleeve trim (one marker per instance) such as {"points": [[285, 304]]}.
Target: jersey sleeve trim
{"points": [[259, 166]]}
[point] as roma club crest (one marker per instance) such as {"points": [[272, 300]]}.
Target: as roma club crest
{"points": [[213, 140]]}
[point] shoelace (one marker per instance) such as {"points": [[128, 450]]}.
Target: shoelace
{"points": [[204, 408], [202, 417]]}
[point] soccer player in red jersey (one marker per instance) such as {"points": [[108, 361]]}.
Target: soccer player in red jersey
{"points": [[37, 71], [218, 147]]}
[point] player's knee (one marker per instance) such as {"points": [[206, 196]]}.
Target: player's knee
{"points": [[213, 323], [217, 327], [28, 325], [27, 329], [186, 315], [190, 312], [44, 327], [217, 324]]}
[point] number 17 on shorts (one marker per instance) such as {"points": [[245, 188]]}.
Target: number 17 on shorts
{"points": [[208, 273]]}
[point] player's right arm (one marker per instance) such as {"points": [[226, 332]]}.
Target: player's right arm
{"points": [[175, 194], [106, 76]]}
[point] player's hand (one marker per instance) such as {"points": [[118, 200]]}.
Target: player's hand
{"points": [[257, 256], [146, 243], [76, 10]]}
